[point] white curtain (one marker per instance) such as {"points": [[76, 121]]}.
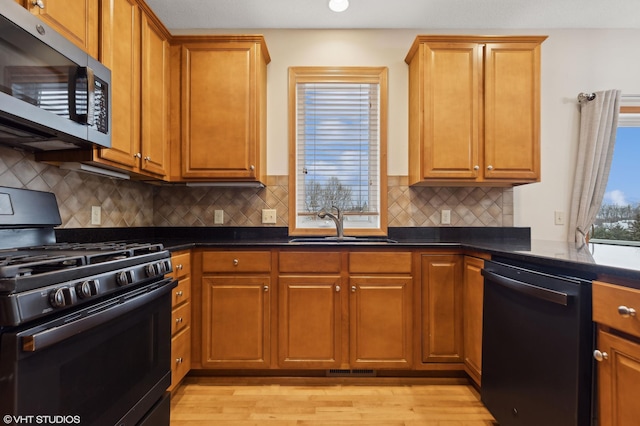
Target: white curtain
{"points": [[598, 127]]}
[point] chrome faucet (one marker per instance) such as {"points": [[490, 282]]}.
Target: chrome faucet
{"points": [[337, 219]]}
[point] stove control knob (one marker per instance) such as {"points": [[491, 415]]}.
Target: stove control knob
{"points": [[88, 288], [152, 269], [124, 277], [61, 297]]}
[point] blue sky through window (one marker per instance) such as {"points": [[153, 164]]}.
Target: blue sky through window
{"points": [[623, 187]]}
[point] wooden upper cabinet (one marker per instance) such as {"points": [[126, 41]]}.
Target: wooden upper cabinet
{"points": [[121, 53], [223, 107], [155, 99], [77, 20], [474, 110]]}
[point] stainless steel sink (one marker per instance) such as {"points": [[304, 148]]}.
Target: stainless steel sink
{"points": [[343, 240]]}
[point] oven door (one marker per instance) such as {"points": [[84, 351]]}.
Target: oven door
{"points": [[106, 364]]}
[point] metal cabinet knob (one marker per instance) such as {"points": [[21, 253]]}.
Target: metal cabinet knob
{"points": [[137, 155], [489, 167], [338, 289], [600, 356], [179, 267], [252, 167], [179, 360], [353, 288], [476, 167], [265, 288], [179, 293], [147, 158], [38, 3], [235, 262], [626, 312], [178, 320]]}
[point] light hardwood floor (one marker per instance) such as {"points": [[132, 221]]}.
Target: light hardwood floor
{"points": [[215, 401]]}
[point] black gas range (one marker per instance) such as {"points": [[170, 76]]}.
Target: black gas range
{"points": [[84, 328]]}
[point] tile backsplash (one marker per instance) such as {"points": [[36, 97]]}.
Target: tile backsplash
{"points": [[133, 204]]}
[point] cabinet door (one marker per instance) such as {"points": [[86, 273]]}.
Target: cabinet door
{"points": [[452, 110], [442, 330], [380, 322], [472, 296], [512, 111], [155, 99], [219, 110], [121, 53], [310, 321], [619, 381], [77, 20], [235, 322]]}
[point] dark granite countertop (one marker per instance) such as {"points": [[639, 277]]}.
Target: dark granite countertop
{"points": [[512, 243]]}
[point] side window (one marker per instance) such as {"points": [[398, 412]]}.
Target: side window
{"points": [[618, 221], [337, 122]]}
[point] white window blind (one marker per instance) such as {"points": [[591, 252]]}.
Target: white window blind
{"points": [[337, 150]]}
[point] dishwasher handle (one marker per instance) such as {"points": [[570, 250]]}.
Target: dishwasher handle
{"points": [[557, 297]]}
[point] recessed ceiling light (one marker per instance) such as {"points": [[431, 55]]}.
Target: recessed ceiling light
{"points": [[338, 5]]}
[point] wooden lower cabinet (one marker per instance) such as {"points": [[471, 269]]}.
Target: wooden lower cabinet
{"points": [[380, 321], [180, 318], [618, 380], [236, 322], [310, 321], [472, 298], [441, 308]]}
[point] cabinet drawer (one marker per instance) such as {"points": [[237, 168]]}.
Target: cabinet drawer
{"points": [[607, 298], [309, 262], [380, 262], [181, 265], [180, 356], [180, 318], [236, 261], [182, 292]]}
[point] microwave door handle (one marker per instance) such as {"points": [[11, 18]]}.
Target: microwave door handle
{"points": [[84, 74]]}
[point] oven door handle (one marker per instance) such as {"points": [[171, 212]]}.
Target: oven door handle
{"points": [[120, 306], [557, 297]]}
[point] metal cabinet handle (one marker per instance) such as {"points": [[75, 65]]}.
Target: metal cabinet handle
{"points": [[235, 262], [626, 312], [600, 356], [38, 3], [265, 288], [489, 167], [353, 289], [179, 293]]}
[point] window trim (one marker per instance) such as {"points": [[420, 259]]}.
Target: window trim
{"points": [[372, 75]]}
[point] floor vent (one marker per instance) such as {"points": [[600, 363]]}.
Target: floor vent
{"points": [[351, 373]]}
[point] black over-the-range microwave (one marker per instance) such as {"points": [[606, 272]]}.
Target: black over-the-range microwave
{"points": [[53, 95]]}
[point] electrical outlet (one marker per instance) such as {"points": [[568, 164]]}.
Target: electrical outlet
{"points": [[269, 215], [559, 218], [218, 217], [445, 217], [96, 215]]}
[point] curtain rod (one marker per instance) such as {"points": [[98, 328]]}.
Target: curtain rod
{"points": [[582, 96]]}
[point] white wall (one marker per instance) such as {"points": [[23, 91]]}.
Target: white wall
{"points": [[573, 61]]}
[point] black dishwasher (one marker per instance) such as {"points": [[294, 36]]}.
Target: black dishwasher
{"points": [[537, 342]]}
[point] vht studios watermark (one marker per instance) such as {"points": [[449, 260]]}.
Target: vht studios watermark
{"points": [[40, 420]]}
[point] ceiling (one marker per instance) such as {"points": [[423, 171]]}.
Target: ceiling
{"points": [[409, 14]]}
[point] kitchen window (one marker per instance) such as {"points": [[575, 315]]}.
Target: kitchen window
{"points": [[338, 126], [618, 221]]}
